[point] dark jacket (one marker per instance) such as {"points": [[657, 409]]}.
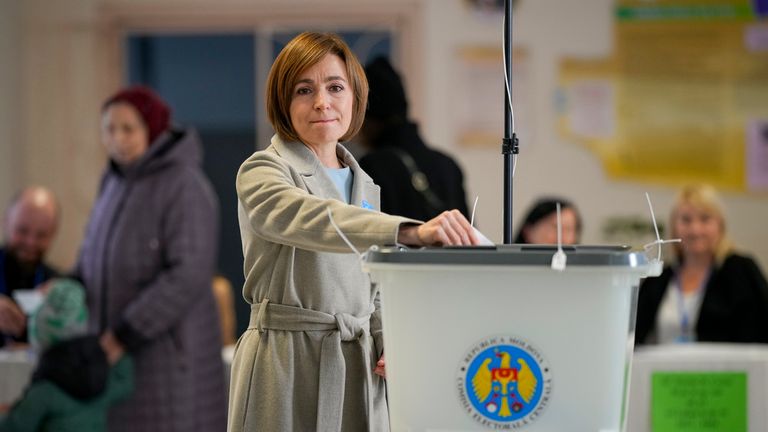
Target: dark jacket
{"points": [[78, 366], [734, 307], [147, 263], [13, 277], [71, 390], [398, 196]]}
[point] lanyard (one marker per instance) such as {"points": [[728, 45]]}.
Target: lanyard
{"points": [[686, 330], [39, 275]]}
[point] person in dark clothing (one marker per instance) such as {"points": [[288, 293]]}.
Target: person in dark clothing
{"points": [[147, 262], [75, 381], [416, 181], [540, 223], [30, 224], [710, 293]]}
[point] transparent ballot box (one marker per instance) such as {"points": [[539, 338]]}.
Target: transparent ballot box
{"points": [[493, 338]]}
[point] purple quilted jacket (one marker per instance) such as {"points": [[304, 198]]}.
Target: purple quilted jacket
{"points": [[147, 262]]}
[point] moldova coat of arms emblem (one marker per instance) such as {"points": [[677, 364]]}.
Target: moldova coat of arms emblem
{"points": [[504, 382]]}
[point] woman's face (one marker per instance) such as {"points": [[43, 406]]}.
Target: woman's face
{"points": [[123, 133], [545, 230], [700, 230], [321, 106]]}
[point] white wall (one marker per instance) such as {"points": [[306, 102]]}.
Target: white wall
{"points": [[59, 97], [70, 64], [549, 30], [10, 109]]}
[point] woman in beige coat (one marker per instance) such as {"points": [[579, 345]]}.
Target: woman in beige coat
{"points": [[307, 360]]}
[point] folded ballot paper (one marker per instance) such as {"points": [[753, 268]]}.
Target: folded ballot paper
{"points": [[482, 238]]}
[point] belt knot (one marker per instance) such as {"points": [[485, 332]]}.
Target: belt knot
{"points": [[350, 326]]}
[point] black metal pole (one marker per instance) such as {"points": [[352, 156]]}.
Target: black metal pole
{"points": [[509, 145]]}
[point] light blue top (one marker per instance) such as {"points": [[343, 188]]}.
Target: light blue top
{"points": [[342, 178]]}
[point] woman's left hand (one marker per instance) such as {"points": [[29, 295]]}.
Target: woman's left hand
{"points": [[380, 368], [111, 346]]}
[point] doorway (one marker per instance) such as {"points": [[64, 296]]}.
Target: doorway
{"points": [[213, 82]]}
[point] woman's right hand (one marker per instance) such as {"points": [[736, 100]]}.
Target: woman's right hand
{"points": [[449, 228]]}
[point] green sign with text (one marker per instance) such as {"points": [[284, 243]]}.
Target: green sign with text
{"points": [[699, 401]]}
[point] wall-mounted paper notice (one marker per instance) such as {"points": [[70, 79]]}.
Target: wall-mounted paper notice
{"points": [[699, 401]]}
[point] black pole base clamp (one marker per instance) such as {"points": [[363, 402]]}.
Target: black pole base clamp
{"points": [[510, 145]]}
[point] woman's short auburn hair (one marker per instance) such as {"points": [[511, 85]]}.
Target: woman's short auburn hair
{"points": [[301, 53]]}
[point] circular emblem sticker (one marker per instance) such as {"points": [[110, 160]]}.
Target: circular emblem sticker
{"points": [[504, 382]]}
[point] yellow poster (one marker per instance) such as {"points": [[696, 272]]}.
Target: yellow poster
{"points": [[683, 98]]}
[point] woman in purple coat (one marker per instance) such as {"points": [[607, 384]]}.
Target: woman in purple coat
{"points": [[147, 262]]}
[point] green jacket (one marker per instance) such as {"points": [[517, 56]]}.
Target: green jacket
{"points": [[46, 408]]}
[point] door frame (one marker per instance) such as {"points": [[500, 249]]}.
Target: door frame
{"points": [[400, 17]]}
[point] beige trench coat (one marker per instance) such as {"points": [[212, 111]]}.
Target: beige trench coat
{"points": [[306, 361]]}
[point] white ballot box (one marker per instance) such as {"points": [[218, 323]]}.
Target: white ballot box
{"points": [[492, 338], [699, 387]]}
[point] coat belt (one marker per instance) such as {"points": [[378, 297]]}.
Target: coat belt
{"points": [[344, 328]]}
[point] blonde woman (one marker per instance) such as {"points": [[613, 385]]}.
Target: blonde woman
{"points": [[710, 293]]}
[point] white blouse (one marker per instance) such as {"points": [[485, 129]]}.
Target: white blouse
{"points": [[678, 314]]}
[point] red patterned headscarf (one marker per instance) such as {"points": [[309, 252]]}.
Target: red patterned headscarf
{"points": [[155, 113]]}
